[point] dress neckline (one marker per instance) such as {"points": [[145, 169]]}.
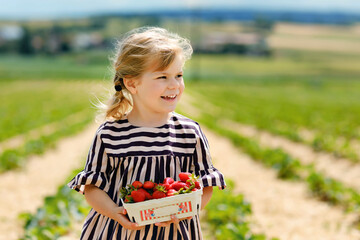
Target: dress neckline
{"points": [[157, 127]]}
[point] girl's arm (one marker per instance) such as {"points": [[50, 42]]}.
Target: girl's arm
{"points": [[103, 204], [207, 193]]}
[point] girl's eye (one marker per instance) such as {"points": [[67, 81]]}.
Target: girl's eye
{"points": [[163, 77], [179, 76]]}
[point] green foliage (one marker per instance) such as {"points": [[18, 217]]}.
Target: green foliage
{"points": [[83, 66], [287, 107], [25, 105], [325, 188], [25, 42], [31, 105], [16, 158], [227, 215], [333, 191], [286, 166], [56, 216]]}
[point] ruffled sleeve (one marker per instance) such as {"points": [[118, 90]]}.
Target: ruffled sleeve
{"points": [[203, 165], [96, 168]]}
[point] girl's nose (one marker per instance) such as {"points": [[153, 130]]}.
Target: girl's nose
{"points": [[173, 83]]}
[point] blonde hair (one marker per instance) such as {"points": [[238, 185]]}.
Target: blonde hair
{"points": [[135, 53]]}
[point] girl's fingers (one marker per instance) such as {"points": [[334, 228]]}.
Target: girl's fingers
{"points": [[174, 220], [129, 225], [124, 221]]}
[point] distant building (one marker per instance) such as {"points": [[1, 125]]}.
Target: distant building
{"points": [[238, 43], [10, 32], [87, 40]]}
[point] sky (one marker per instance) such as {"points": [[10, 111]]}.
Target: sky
{"points": [[25, 9]]}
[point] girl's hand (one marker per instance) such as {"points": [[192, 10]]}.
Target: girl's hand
{"points": [[124, 221], [174, 220]]}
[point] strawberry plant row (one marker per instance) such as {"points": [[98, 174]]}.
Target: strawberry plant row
{"points": [[227, 215], [289, 168], [57, 215], [287, 109], [27, 105], [16, 158]]}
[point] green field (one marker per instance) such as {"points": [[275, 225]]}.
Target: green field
{"points": [[283, 94], [292, 90]]}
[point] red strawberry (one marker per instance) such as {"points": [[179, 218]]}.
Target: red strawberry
{"points": [[171, 192], [184, 176], [178, 185], [158, 194], [149, 185], [147, 195], [138, 196], [168, 180], [137, 184], [197, 185], [166, 186]]}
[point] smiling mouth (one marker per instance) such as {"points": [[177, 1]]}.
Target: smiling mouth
{"points": [[170, 97]]}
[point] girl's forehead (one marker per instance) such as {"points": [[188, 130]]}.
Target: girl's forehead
{"points": [[175, 66]]}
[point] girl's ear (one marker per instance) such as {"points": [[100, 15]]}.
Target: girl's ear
{"points": [[130, 84]]}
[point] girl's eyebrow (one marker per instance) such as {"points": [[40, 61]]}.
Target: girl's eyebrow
{"points": [[165, 73]]}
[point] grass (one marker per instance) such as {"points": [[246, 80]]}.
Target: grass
{"points": [[289, 168], [285, 65], [84, 66], [25, 105], [291, 89], [330, 109]]}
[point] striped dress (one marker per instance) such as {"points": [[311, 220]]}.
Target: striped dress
{"points": [[122, 153]]}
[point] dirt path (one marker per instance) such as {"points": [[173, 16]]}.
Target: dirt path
{"points": [[280, 208], [341, 169], [24, 190]]}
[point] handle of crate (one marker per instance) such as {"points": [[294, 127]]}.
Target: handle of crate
{"points": [[168, 210]]}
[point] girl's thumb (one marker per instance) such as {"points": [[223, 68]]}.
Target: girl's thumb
{"points": [[122, 210]]}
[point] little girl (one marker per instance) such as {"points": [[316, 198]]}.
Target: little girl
{"points": [[143, 139]]}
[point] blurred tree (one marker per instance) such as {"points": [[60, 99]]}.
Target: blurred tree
{"points": [[97, 23], [25, 46], [263, 24], [234, 48], [151, 20], [65, 44]]}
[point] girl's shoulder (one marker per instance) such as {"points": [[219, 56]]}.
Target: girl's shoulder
{"points": [[184, 122], [181, 119], [110, 125]]}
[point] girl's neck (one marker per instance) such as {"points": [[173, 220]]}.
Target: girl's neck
{"points": [[138, 118]]}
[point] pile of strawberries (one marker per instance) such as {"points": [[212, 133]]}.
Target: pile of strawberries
{"points": [[139, 192]]}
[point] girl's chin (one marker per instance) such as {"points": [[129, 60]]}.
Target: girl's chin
{"points": [[169, 109]]}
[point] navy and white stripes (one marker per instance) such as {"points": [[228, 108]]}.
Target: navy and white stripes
{"points": [[122, 153]]}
